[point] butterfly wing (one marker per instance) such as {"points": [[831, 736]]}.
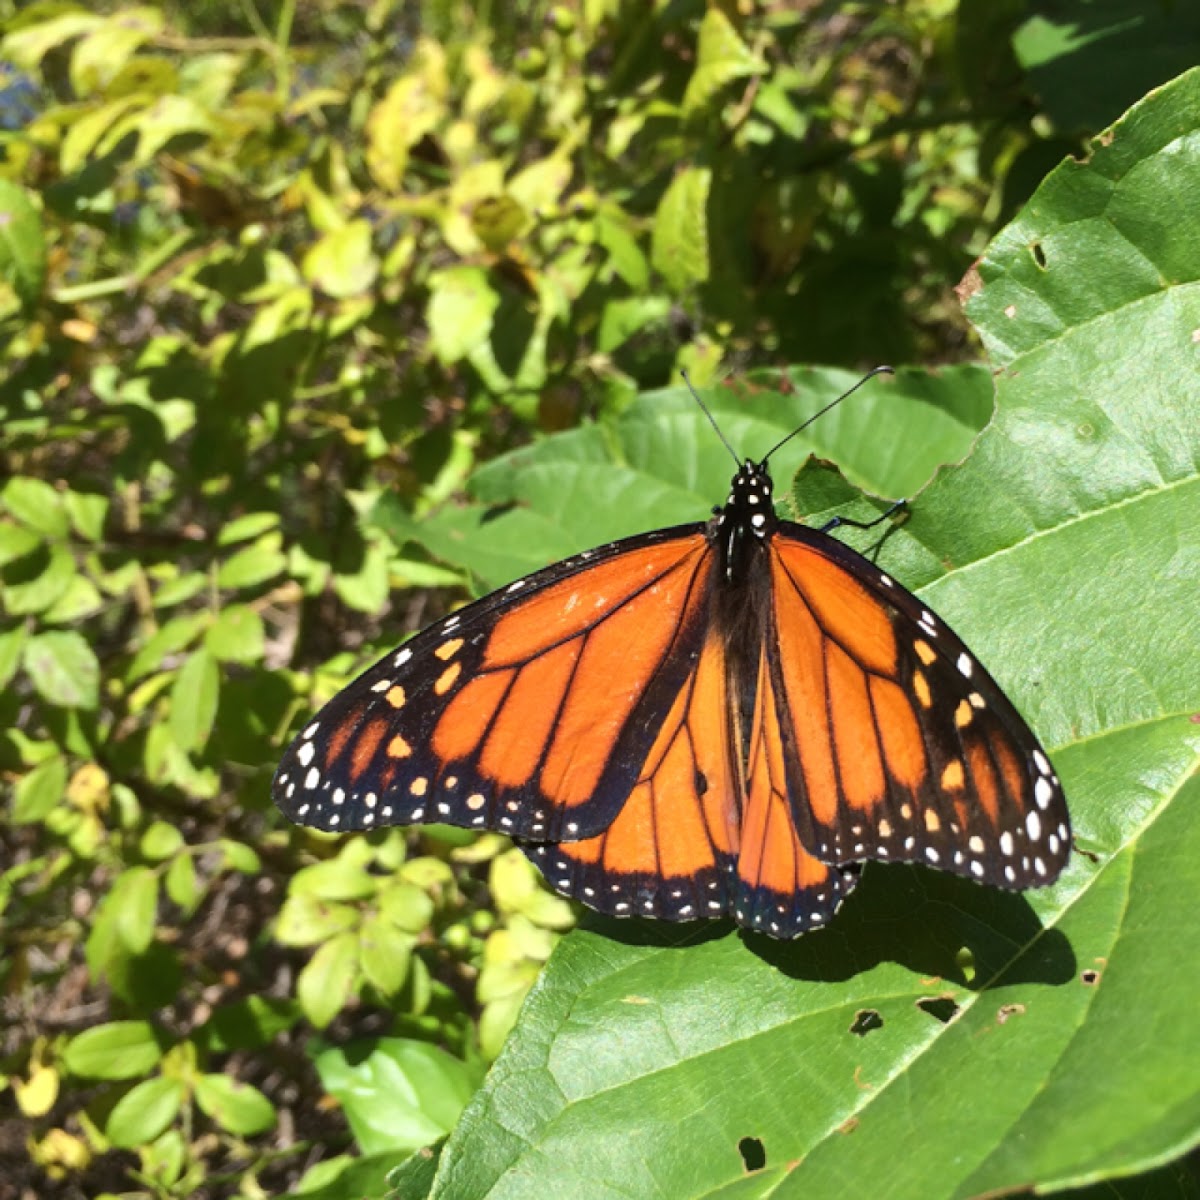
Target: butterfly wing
{"points": [[531, 711], [782, 888], [904, 748], [669, 852]]}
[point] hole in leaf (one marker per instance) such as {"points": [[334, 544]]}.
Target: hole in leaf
{"points": [[1009, 1010], [754, 1156], [865, 1020], [941, 1008], [1091, 977], [1039, 255]]}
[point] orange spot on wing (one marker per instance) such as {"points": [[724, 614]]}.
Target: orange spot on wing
{"points": [[337, 742], [669, 828], [953, 776], [445, 681], [771, 855], [515, 744], [853, 731], [984, 779], [903, 747], [463, 724], [1010, 771], [567, 609], [802, 666], [710, 731], [619, 657], [365, 747], [849, 614], [629, 843]]}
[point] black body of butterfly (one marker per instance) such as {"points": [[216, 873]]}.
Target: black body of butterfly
{"points": [[724, 718]]}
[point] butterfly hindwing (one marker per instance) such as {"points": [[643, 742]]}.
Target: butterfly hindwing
{"points": [[529, 712], [906, 749], [782, 888]]}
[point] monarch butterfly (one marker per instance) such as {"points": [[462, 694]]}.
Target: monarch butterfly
{"points": [[719, 718]]}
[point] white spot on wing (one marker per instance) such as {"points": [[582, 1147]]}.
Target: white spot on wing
{"points": [[1043, 793]]}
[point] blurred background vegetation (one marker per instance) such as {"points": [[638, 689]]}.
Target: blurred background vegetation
{"points": [[263, 267]]}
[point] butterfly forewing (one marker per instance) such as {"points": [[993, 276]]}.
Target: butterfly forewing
{"points": [[530, 711], [906, 749], [670, 851]]}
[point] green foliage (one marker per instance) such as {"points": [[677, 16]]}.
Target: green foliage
{"points": [[273, 300], [969, 992]]}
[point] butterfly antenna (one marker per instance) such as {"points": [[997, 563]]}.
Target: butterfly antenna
{"points": [[711, 419], [849, 392]]}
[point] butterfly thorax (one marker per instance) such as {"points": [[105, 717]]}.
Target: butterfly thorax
{"points": [[740, 530]]}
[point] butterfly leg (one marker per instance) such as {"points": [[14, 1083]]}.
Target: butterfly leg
{"points": [[839, 522]]}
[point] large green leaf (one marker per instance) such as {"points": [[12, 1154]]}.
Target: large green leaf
{"points": [[662, 464], [943, 1039]]}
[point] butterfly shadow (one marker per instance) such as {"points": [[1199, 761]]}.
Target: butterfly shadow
{"points": [[939, 926]]}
